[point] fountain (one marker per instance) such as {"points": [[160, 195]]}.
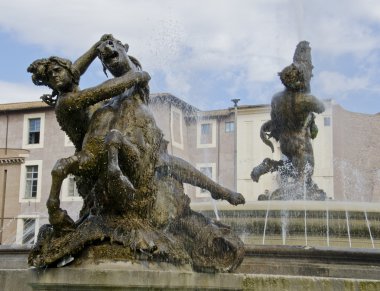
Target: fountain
{"points": [[134, 207], [292, 124], [136, 229]]}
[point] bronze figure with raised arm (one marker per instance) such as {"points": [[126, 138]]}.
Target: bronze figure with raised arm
{"points": [[292, 124], [74, 110], [134, 195]]}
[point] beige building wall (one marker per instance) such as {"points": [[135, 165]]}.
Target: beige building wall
{"points": [[10, 165], [251, 151], [323, 151], [170, 114], [181, 125], [53, 145], [217, 155], [345, 150], [356, 155]]}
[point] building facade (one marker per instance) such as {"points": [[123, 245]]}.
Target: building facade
{"points": [[223, 145]]}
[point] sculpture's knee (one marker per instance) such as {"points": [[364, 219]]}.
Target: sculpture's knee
{"points": [[52, 204], [114, 170], [59, 169], [87, 161], [113, 138]]}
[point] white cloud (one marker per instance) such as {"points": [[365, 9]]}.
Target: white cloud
{"points": [[178, 83], [336, 83], [14, 92], [180, 38]]}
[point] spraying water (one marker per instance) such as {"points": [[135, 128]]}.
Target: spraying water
{"points": [[369, 229], [348, 230], [327, 228], [215, 209], [265, 222], [284, 225]]}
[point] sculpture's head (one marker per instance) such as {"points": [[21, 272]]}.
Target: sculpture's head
{"points": [[293, 78], [54, 72], [113, 55]]}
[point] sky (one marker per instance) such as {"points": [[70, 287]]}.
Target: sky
{"points": [[205, 52]]}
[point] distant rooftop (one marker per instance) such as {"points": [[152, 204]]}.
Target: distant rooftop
{"points": [[23, 106]]}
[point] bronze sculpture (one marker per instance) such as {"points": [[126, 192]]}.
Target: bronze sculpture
{"points": [[292, 125], [132, 189]]}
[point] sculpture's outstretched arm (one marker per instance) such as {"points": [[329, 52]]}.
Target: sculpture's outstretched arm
{"points": [[84, 61], [106, 90], [312, 104]]}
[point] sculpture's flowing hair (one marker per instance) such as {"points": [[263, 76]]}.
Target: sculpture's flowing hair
{"points": [[39, 68]]}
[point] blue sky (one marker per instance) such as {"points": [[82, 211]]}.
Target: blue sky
{"points": [[206, 52]]}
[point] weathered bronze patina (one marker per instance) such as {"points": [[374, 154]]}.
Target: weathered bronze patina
{"points": [[292, 125], [134, 203]]}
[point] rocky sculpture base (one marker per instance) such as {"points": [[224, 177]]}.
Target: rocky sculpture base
{"points": [[111, 237], [296, 191], [178, 235]]}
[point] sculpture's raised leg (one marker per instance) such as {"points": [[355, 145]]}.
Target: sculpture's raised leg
{"points": [[184, 172], [266, 166], [116, 143], [80, 161], [57, 216]]}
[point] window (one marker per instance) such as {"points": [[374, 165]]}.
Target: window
{"points": [[34, 130], [27, 229], [31, 182], [206, 134], [229, 126], [327, 121], [70, 190], [33, 136], [206, 129], [209, 169], [176, 127]]}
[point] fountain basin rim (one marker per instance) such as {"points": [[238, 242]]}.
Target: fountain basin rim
{"points": [[331, 254], [365, 255], [300, 205]]}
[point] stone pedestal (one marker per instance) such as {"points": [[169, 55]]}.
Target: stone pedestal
{"points": [[265, 268]]}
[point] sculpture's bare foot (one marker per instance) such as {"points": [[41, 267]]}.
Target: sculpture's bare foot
{"points": [[236, 198], [60, 220], [259, 170], [232, 197], [255, 175]]}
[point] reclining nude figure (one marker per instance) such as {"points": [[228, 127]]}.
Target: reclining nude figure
{"points": [[112, 119]]}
